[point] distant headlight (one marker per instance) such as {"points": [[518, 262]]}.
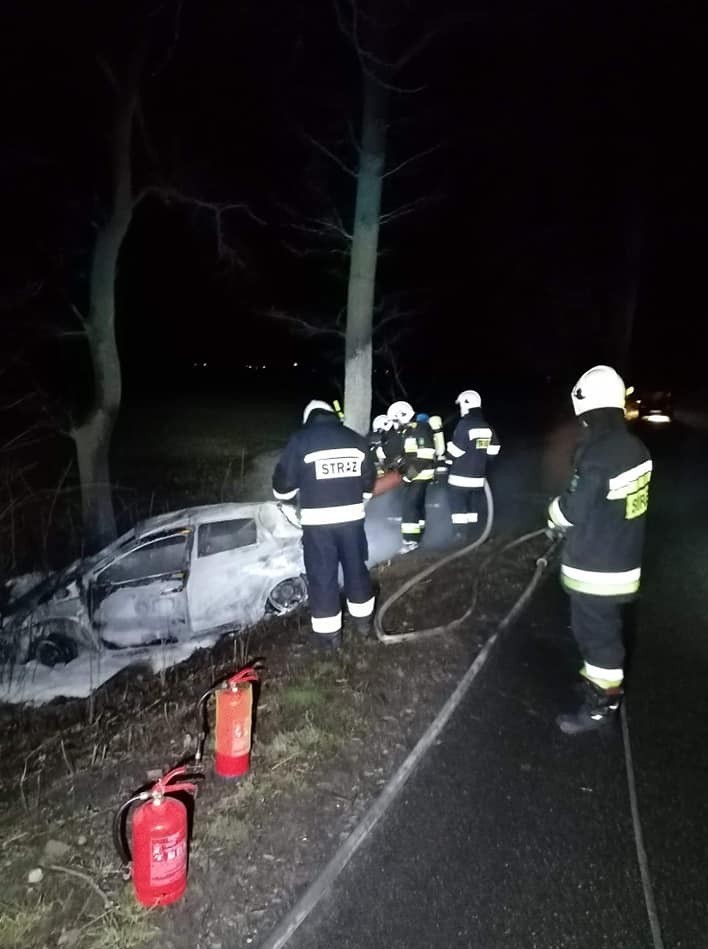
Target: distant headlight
{"points": [[656, 417]]}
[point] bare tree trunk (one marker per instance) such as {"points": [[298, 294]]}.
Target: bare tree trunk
{"points": [[364, 255], [93, 436]]}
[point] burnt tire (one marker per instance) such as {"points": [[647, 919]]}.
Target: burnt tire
{"points": [[56, 649], [287, 596]]}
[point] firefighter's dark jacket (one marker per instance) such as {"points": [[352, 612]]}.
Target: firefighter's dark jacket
{"points": [[472, 442], [330, 467], [390, 453], [423, 444], [604, 509]]}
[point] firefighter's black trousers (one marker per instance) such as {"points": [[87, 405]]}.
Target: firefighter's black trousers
{"points": [[596, 622], [325, 548], [413, 510], [465, 504]]}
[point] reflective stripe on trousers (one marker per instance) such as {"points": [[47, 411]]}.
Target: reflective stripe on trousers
{"points": [[339, 514], [598, 583]]}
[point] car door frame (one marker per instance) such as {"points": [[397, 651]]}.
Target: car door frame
{"points": [[179, 576]]}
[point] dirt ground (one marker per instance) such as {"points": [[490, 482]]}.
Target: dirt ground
{"points": [[330, 730]]}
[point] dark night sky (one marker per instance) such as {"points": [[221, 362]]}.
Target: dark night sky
{"points": [[565, 132]]}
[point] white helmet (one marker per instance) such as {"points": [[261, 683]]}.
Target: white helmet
{"points": [[382, 423], [400, 413], [316, 404], [469, 399], [599, 388]]}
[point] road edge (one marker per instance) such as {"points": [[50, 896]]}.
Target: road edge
{"points": [[321, 885]]}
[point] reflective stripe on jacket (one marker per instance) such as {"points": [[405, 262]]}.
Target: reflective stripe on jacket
{"points": [[472, 442], [331, 469], [603, 510]]}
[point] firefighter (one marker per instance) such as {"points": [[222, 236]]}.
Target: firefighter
{"points": [[472, 442], [602, 514], [422, 445], [380, 427], [330, 468]]}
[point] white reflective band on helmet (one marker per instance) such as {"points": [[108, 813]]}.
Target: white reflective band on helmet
{"points": [[361, 610], [493, 449], [327, 624], [479, 433], [453, 450], [340, 514], [599, 388], [598, 583], [462, 481], [284, 495], [557, 516], [629, 481], [401, 412], [315, 404], [382, 423], [469, 399]]}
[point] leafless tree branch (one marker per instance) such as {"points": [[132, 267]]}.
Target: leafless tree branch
{"points": [[79, 315], [303, 326], [331, 155], [170, 51], [403, 210], [408, 161]]}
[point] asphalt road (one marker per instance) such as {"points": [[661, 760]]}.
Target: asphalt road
{"points": [[511, 834]]}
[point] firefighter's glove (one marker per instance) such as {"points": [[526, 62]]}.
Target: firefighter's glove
{"points": [[554, 531]]}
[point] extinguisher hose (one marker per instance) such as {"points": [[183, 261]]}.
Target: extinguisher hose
{"points": [[203, 720], [391, 638], [120, 837]]}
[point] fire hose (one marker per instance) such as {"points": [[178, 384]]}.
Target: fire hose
{"points": [[541, 564]]}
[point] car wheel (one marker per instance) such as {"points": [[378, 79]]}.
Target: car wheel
{"points": [[55, 649], [287, 595]]}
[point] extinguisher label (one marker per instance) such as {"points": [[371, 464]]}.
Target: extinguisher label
{"points": [[233, 722], [168, 859]]}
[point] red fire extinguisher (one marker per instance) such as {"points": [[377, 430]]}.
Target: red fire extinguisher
{"points": [[234, 721], [159, 854]]}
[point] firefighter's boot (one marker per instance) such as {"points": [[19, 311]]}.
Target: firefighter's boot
{"points": [[363, 626], [599, 708], [327, 642], [408, 546]]}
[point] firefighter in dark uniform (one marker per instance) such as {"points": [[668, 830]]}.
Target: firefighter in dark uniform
{"points": [[602, 514], [380, 428], [422, 446], [330, 468], [472, 443]]}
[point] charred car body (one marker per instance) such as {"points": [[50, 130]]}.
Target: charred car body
{"points": [[171, 578]]}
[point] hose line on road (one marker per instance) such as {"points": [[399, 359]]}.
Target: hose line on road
{"points": [[642, 858], [323, 883], [392, 638], [541, 565]]}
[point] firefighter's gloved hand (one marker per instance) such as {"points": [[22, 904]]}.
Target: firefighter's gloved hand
{"points": [[410, 472], [554, 531]]}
